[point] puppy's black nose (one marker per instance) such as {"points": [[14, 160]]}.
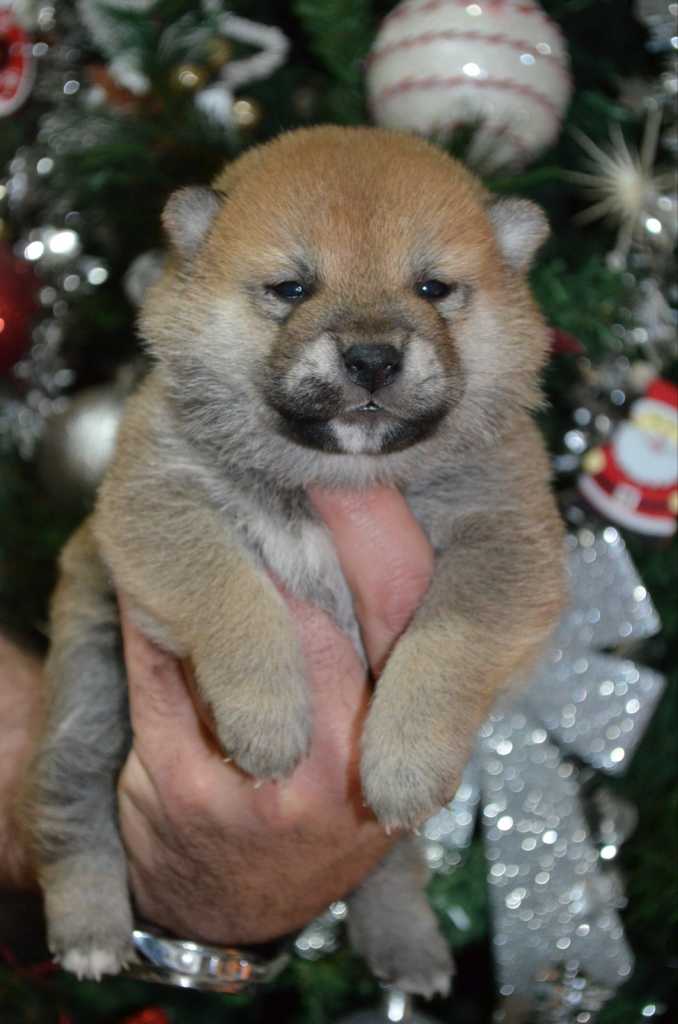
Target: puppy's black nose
{"points": [[372, 366]]}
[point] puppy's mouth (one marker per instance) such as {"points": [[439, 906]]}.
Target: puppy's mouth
{"points": [[368, 413], [369, 428]]}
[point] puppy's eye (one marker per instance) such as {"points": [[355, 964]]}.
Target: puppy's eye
{"points": [[288, 291], [434, 290]]}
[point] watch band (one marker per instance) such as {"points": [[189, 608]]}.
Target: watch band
{"points": [[188, 964]]}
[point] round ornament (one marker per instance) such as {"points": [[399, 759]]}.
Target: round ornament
{"points": [[247, 112], [633, 480], [17, 70], [17, 305], [188, 77], [498, 66], [78, 444]]}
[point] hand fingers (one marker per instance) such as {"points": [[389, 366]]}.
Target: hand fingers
{"points": [[385, 556], [161, 708], [340, 696]]}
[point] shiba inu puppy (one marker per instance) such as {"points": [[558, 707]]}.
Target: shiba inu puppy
{"points": [[345, 307]]}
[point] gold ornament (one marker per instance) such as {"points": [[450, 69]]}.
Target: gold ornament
{"points": [[247, 113], [188, 78], [219, 52], [594, 461]]}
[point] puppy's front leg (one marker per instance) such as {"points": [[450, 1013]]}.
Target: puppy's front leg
{"points": [[197, 586], [250, 671], [495, 595]]}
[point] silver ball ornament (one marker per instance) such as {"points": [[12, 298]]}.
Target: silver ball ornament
{"points": [[78, 443]]}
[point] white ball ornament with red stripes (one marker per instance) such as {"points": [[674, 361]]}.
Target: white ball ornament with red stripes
{"points": [[498, 65]]}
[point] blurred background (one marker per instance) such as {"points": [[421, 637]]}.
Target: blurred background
{"points": [[554, 870]]}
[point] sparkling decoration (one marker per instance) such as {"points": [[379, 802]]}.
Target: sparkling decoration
{"points": [[247, 113], [633, 480], [656, 323], [395, 1006], [627, 192], [201, 44], [17, 307], [554, 892], [17, 68], [116, 38], [188, 77], [661, 18], [564, 995], [321, 936], [216, 101], [501, 68], [51, 242], [65, 273]]}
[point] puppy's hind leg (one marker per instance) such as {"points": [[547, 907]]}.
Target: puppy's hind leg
{"points": [[72, 785], [391, 924]]}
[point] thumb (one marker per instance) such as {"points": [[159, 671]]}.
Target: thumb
{"points": [[386, 559]]}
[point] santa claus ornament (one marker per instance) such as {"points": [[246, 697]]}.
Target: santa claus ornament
{"points": [[500, 66], [16, 62], [633, 480]]}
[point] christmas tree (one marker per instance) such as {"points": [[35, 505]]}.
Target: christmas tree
{"points": [[108, 106]]}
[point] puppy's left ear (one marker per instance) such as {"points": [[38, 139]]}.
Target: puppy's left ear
{"points": [[520, 227], [188, 216]]}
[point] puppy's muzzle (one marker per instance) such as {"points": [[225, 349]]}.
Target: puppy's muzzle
{"points": [[372, 366]]}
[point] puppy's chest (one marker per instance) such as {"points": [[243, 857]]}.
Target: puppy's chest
{"points": [[300, 553]]}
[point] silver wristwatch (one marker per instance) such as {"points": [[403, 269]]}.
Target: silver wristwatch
{"points": [[188, 964]]}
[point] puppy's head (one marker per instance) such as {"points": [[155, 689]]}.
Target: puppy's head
{"points": [[347, 292]]}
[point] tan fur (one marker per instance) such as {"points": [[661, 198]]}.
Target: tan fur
{"points": [[250, 402]]}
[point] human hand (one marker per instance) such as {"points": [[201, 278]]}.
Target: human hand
{"points": [[210, 854]]}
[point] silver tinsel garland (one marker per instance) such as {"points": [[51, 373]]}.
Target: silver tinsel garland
{"points": [[554, 893]]}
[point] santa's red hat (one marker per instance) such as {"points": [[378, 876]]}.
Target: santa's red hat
{"points": [[664, 392]]}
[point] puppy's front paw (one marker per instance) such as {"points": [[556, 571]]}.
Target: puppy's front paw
{"points": [[405, 777], [262, 708], [269, 737], [89, 918]]}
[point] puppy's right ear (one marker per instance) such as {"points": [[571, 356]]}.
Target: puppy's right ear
{"points": [[188, 216]]}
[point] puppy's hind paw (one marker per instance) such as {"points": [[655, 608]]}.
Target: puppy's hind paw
{"points": [[93, 963], [89, 917], [426, 972]]}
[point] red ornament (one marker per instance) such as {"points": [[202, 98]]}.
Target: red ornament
{"points": [[151, 1015], [17, 305], [633, 480], [17, 70], [565, 344]]}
